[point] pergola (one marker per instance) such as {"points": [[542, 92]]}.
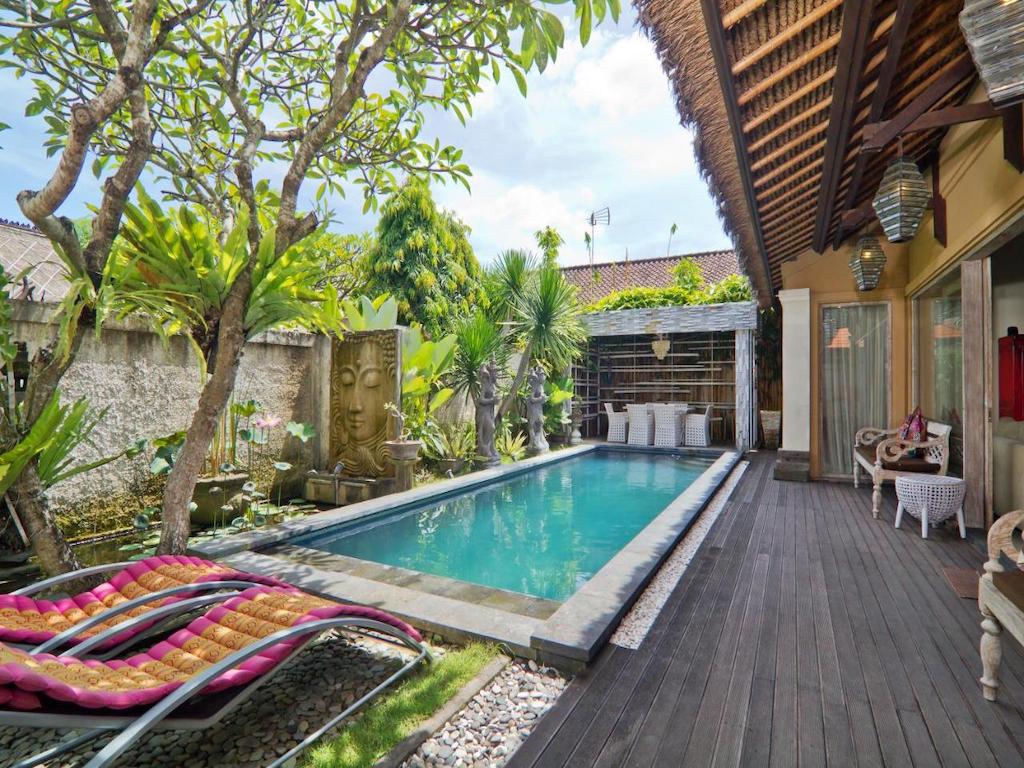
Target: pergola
{"points": [[709, 360]]}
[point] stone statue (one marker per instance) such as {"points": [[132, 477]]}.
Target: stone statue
{"points": [[363, 379], [535, 412], [487, 378]]}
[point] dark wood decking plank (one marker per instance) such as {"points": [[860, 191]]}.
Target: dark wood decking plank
{"points": [[784, 747], [810, 714], [891, 739], [686, 676], [881, 578], [757, 739], [947, 651]]}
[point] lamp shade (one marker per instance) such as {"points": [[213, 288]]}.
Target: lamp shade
{"points": [[994, 31], [867, 263], [901, 200]]}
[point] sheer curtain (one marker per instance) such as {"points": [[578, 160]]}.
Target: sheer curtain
{"points": [[854, 379]]}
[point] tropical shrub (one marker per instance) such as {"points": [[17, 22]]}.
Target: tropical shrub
{"points": [[424, 260], [478, 339], [511, 446], [729, 289], [450, 440], [688, 276]]}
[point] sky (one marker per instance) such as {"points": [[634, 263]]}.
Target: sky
{"points": [[598, 128]]}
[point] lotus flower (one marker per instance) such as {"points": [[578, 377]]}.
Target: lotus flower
{"points": [[267, 421]]}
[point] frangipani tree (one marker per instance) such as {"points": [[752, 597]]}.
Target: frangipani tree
{"points": [[206, 93]]}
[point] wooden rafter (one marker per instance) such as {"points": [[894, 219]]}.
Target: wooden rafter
{"points": [[783, 204], [794, 97], [790, 145], [856, 30], [811, 167], [948, 78], [787, 34], [883, 84], [740, 12], [803, 186], [716, 39], [794, 121], [795, 65], [796, 159]]}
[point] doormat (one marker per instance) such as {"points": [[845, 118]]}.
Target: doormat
{"points": [[964, 581]]}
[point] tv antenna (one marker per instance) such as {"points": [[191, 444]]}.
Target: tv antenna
{"points": [[602, 216]]}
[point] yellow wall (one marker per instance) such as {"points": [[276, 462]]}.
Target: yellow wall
{"points": [[983, 193]]}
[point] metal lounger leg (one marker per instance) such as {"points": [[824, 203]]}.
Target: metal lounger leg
{"points": [[59, 749], [349, 711], [194, 685]]}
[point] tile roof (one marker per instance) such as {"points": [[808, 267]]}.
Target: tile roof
{"points": [[598, 281], [25, 249]]}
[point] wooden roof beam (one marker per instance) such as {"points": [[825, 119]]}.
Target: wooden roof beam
{"points": [[784, 36], [883, 84], [794, 160], [720, 54], [846, 89], [937, 118], [781, 150], [948, 79], [740, 12], [796, 64], [798, 174]]}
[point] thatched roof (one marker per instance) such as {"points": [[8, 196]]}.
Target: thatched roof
{"points": [[804, 81], [597, 281]]}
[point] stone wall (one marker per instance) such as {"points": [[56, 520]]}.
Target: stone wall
{"points": [[150, 388]]}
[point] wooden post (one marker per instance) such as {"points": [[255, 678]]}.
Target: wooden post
{"points": [[975, 293], [744, 389]]}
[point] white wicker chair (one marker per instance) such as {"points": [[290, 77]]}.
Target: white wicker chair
{"points": [[618, 424], [932, 499], [698, 428], [884, 456], [641, 424], [668, 425]]}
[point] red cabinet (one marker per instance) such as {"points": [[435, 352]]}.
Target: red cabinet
{"points": [[1011, 375]]}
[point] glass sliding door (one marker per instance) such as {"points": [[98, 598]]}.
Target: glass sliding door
{"points": [[939, 349], [854, 379]]}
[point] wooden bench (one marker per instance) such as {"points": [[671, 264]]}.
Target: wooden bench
{"points": [[884, 456], [1000, 598]]}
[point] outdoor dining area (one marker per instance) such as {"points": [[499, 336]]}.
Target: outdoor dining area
{"points": [[662, 425]]}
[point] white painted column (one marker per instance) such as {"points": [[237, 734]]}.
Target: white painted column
{"points": [[796, 370], [744, 388]]}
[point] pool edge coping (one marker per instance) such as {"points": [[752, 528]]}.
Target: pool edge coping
{"points": [[570, 637]]}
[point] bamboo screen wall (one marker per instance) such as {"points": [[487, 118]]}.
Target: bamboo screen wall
{"points": [[699, 369]]}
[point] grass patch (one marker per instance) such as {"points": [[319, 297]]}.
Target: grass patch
{"points": [[394, 716]]}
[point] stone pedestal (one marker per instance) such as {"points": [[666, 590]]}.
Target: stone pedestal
{"points": [[405, 470]]}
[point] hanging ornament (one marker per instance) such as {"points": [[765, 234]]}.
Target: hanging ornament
{"points": [[867, 263], [994, 31], [901, 199]]}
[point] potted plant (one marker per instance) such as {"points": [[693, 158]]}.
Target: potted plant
{"points": [[404, 448], [450, 445]]}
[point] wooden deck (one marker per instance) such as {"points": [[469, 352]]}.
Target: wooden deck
{"points": [[803, 633]]}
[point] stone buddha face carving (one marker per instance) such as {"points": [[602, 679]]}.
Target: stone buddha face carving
{"points": [[360, 397]]}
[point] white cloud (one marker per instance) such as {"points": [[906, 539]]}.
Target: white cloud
{"points": [[625, 80]]}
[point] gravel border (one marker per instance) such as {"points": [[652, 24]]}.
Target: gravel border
{"points": [[637, 623]]}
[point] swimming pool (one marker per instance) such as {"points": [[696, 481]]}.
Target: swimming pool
{"points": [[543, 533]]}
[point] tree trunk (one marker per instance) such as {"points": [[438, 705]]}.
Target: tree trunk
{"points": [[517, 382], [181, 482], [47, 539]]}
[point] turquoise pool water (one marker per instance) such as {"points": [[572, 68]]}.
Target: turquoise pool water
{"points": [[543, 533]]}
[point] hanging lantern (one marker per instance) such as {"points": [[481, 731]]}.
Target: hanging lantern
{"points": [[867, 263], [901, 200], [994, 31]]}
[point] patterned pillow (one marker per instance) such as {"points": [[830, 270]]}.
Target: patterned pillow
{"points": [[914, 428]]}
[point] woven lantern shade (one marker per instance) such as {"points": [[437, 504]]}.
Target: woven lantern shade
{"points": [[901, 200], [867, 263], [994, 31]]}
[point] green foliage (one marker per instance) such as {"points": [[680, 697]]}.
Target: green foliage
{"points": [[688, 276], [478, 339], [560, 390], [730, 288], [300, 431], [365, 314], [424, 364], [549, 241], [510, 446], [424, 260], [506, 283], [342, 259], [450, 440], [547, 319], [173, 268], [399, 711]]}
